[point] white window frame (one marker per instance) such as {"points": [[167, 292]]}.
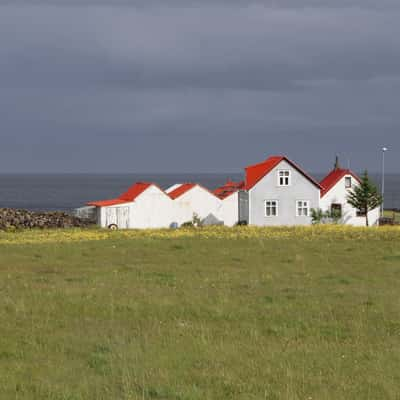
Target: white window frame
{"points": [[346, 179], [276, 207], [305, 204], [289, 177]]}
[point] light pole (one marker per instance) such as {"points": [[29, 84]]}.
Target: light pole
{"points": [[384, 150]]}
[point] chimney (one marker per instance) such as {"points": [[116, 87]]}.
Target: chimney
{"points": [[337, 165]]}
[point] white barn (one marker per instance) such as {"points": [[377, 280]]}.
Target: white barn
{"points": [[335, 188], [143, 205]]}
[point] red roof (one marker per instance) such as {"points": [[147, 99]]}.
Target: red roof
{"points": [[228, 188], [257, 171], [127, 197], [135, 190], [180, 190], [333, 178]]}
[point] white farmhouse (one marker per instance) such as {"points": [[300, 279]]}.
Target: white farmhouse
{"points": [[280, 193], [192, 199], [335, 188], [143, 205]]}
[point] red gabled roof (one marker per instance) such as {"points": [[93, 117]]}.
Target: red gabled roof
{"points": [[135, 190], [180, 190], [127, 197], [333, 178], [257, 171], [228, 188]]}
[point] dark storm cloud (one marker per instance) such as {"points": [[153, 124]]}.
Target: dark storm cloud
{"points": [[382, 4], [114, 86]]}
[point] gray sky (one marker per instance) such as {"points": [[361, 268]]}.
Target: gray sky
{"points": [[207, 86]]}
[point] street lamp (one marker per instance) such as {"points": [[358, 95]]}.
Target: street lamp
{"points": [[384, 150]]}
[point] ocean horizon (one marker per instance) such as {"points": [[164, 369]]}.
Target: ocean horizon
{"points": [[67, 191]]}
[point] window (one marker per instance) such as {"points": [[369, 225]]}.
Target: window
{"points": [[347, 182], [283, 178], [303, 208], [360, 213], [271, 208]]}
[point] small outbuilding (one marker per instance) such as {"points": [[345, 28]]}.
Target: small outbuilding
{"points": [[143, 205], [192, 199], [231, 210]]}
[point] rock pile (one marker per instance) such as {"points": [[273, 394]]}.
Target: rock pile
{"points": [[23, 219]]}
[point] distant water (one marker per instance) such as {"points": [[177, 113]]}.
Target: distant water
{"points": [[68, 191]]}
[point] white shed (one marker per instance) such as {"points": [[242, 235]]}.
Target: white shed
{"points": [[192, 199], [335, 188], [229, 196], [143, 205]]}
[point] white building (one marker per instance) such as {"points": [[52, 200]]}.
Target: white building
{"points": [[230, 195], [280, 193], [335, 189], [143, 205], [192, 199], [275, 192]]}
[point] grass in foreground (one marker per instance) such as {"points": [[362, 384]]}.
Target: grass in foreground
{"points": [[246, 314]]}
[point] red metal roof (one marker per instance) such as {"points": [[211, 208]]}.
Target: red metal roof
{"points": [[228, 188], [135, 190], [180, 190], [127, 197], [257, 171], [105, 203], [333, 178]]}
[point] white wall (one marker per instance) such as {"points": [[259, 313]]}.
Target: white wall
{"points": [[197, 200], [152, 209], [229, 210], [338, 194]]}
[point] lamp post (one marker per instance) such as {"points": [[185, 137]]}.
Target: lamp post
{"points": [[384, 150]]}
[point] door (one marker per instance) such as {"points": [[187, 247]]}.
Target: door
{"points": [[243, 207], [123, 217], [111, 216], [117, 217]]}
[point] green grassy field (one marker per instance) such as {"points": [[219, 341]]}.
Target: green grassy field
{"points": [[201, 318]]}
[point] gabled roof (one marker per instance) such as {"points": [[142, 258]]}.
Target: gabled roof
{"points": [[256, 172], [181, 189], [173, 187], [333, 178], [228, 188], [105, 203], [130, 195], [184, 188], [135, 190]]}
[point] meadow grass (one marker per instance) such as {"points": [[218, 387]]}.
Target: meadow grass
{"points": [[200, 314]]}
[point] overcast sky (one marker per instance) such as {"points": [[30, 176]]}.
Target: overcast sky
{"points": [[208, 86]]}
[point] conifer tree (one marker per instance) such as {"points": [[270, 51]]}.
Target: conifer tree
{"points": [[364, 197]]}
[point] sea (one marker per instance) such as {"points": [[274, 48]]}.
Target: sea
{"points": [[65, 192]]}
